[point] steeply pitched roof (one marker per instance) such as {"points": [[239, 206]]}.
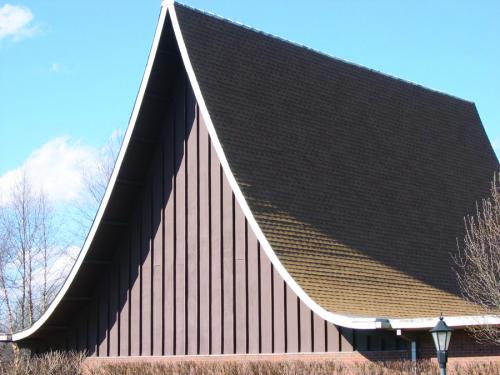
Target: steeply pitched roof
{"points": [[358, 180]]}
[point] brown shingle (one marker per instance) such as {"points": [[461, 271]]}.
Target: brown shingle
{"points": [[359, 181]]}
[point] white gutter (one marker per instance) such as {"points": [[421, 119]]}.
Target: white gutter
{"points": [[452, 321]]}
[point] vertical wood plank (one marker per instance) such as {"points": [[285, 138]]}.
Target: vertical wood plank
{"points": [[364, 342], [266, 304], [253, 293], [228, 263], [319, 334], [169, 198], [113, 298], [346, 340], [305, 329], [216, 260], [180, 225], [135, 280], [240, 282], [333, 338], [157, 248], [147, 279], [124, 302], [71, 339], [279, 312], [103, 316], [82, 332], [292, 322], [192, 226], [204, 239], [92, 331]]}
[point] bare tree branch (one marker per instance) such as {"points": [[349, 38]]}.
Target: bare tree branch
{"points": [[478, 262]]}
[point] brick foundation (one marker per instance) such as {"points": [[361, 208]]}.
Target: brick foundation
{"points": [[308, 357], [463, 347]]}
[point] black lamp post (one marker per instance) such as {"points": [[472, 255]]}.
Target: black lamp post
{"points": [[441, 334]]}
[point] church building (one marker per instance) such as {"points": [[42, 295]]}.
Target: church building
{"points": [[271, 199]]}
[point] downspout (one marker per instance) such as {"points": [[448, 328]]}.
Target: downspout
{"points": [[411, 338]]}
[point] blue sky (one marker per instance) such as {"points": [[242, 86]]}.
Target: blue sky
{"points": [[69, 75]]}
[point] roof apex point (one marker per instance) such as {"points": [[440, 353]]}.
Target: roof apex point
{"points": [[165, 3]]}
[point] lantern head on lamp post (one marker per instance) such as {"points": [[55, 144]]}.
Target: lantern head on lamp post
{"points": [[441, 334]]}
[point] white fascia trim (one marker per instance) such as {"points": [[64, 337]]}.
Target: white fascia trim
{"points": [[341, 320], [90, 237], [5, 337], [452, 321]]}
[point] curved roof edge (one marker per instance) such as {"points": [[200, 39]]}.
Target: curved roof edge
{"points": [[95, 225], [354, 322]]}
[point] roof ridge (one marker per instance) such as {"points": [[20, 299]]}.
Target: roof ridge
{"points": [[325, 54]]}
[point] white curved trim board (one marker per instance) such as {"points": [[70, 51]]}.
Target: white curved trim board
{"points": [[90, 237]]}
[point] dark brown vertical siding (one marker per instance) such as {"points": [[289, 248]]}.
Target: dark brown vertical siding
{"points": [[333, 338], [146, 274], [346, 340], [253, 292], [266, 304], [169, 228], [92, 327], [227, 267], [135, 282], [204, 238], [192, 224], [292, 321], [82, 333], [319, 333], [124, 305], [306, 330], [190, 276], [279, 313], [113, 310], [103, 327], [180, 223], [157, 214], [216, 320], [240, 280]]}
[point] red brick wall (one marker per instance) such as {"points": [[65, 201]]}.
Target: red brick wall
{"points": [[463, 346]]}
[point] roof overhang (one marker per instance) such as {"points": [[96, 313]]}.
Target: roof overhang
{"points": [[452, 321]]}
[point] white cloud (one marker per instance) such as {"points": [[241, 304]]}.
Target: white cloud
{"points": [[55, 67], [57, 168], [117, 134], [16, 22], [60, 261]]}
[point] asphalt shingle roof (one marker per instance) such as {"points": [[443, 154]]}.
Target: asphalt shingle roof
{"points": [[359, 181]]}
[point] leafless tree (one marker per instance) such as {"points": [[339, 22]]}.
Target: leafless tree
{"points": [[31, 245], [28, 252], [95, 181], [478, 263]]}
